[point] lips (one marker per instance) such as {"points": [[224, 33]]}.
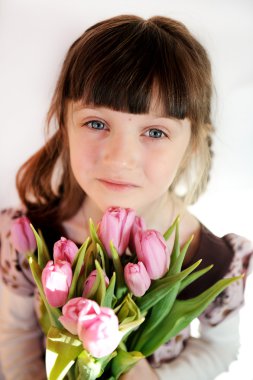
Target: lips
{"points": [[117, 184]]}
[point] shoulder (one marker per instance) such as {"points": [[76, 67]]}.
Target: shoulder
{"points": [[7, 215], [237, 253], [243, 252], [14, 268], [231, 255]]}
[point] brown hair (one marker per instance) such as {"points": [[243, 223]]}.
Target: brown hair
{"points": [[116, 63]]}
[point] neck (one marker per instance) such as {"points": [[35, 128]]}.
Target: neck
{"points": [[159, 215]]}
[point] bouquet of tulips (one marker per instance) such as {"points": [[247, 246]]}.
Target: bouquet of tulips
{"points": [[115, 299]]}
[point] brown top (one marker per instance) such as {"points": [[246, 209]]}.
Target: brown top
{"points": [[213, 251]]}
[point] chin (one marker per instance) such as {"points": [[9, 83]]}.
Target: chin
{"points": [[104, 205]]}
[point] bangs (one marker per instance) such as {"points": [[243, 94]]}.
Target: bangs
{"points": [[121, 65]]}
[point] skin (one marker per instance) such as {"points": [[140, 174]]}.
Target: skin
{"points": [[143, 151], [128, 160]]}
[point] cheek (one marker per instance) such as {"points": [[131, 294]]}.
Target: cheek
{"points": [[160, 172], [162, 165], [82, 156]]}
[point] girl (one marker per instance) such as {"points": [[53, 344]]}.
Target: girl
{"points": [[133, 129]]}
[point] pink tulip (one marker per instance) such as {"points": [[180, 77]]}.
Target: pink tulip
{"points": [[152, 250], [90, 282], [99, 331], [56, 280], [116, 225], [72, 309], [65, 250], [139, 224], [22, 236], [137, 278]]}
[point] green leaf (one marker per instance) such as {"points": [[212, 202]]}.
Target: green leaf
{"points": [[72, 373], [44, 247], [62, 349], [110, 292], [44, 318], [53, 312], [161, 287], [124, 361], [182, 314], [164, 305], [100, 247], [93, 232], [105, 360], [176, 246], [153, 320], [101, 290], [192, 277], [127, 311], [121, 288], [80, 260], [102, 257], [176, 264], [89, 368], [170, 230], [129, 315], [43, 255], [126, 328]]}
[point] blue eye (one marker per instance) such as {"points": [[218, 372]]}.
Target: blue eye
{"points": [[96, 124], [156, 133]]}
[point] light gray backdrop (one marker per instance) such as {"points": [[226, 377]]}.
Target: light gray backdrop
{"points": [[34, 36]]}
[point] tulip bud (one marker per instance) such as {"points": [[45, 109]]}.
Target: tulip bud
{"points": [[22, 236], [116, 225], [98, 329], [56, 280], [65, 250], [152, 250], [137, 278], [71, 311], [90, 282], [138, 224]]}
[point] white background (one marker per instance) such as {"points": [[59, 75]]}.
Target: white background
{"points": [[34, 37]]}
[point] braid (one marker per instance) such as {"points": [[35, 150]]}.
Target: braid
{"points": [[204, 167], [209, 139], [194, 174]]}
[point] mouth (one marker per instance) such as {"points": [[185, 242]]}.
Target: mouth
{"points": [[117, 184]]}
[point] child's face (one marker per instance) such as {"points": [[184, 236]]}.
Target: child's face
{"points": [[123, 159]]}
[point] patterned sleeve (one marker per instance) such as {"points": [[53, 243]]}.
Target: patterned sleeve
{"points": [[14, 268], [232, 297]]}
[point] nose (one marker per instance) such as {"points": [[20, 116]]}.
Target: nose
{"points": [[122, 151]]}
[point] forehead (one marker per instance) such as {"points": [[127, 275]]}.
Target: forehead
{"points": [[156, 107]]}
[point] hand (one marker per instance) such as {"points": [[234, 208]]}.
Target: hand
{"points": [[142, 370]]}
